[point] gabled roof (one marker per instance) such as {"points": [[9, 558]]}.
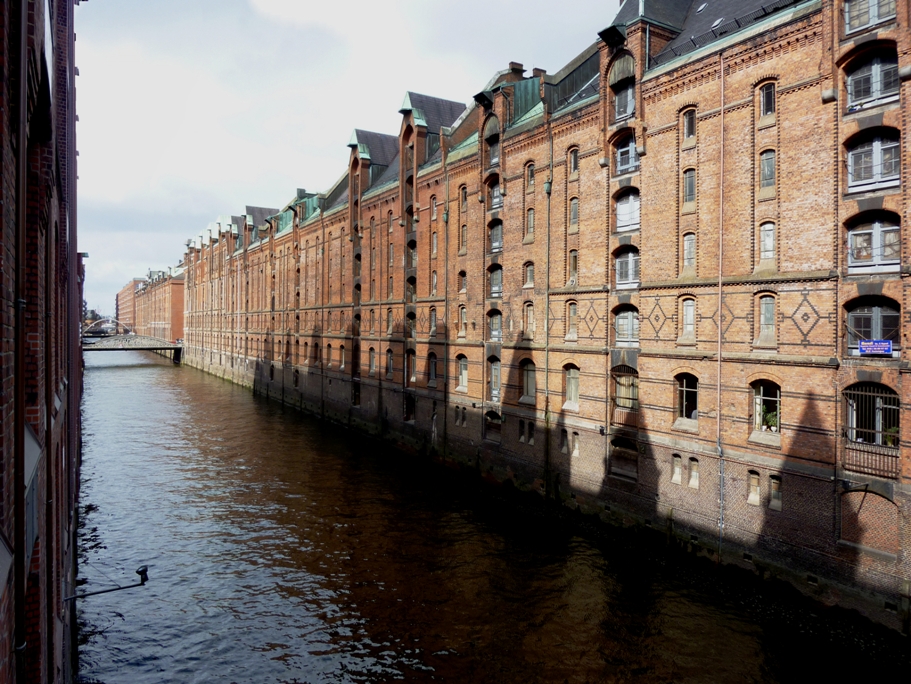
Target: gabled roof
{"points": [[379, 147], [433, 112], [260, 214], [670, 13]]}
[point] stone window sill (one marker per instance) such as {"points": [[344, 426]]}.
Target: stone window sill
{"points": [[688, 143], [530, 401], [766, 120], [768, 438], [687, 425], [688, 208]]}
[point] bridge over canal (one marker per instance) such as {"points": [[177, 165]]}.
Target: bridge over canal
{"points": [[130, 342]]}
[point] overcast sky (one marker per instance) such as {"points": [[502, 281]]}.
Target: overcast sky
{"points": [[189, 109]]}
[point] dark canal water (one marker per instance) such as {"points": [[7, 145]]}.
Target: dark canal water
{"points": [[280, 550]]}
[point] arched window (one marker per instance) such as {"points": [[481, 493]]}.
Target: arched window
{"points": [[689, 186], [495, 233], [874, 162], [433, 243], [411, 325], [689, 250], [463, 321], [626, 391], [530, 175], [574, 160], [571, 387], [873, 318], [493, 378], [431, 370], [530, 223], [626, 327], [766, 406], [766, 333], [411, 371], [766, 99], [463, 238], [529, 383], [688, 318], [492, 140], [874, 246], [493, 192], [573, 267], [528, 321], [873, 80], [463, 200], [529, 269], [872, 414], [390, 363], [687, 396], [493, 426], [622, 83], [388, 321], [628, 211], [328, 356], [767, 241], [372, 361], [689, 125], [341, 357], [495, 325], [572, 320], [433, 321], [495, 280], [463, 281], [433, 209], [412, 254], [462, 362], [574, 211], [627, 158], [862, 13], [433, 284], [767, 169], [389, 221], [627, 268]]}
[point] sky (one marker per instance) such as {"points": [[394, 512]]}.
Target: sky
{"points": [[190, 109]]}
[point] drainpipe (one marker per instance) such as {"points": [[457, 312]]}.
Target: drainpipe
{"points": [[445, 152], [720, 293], [20, 557]]}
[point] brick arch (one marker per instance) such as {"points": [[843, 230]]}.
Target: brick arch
{"points": [[869, 519]]}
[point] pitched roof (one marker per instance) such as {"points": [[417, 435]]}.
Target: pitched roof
{"points": [[381, 147], [436, 112], [260, 214]]}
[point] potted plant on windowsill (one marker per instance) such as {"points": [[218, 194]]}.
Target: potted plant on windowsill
{"points": [[890, 437], [770, 419]]}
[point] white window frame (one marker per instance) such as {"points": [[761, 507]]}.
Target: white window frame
{"points": [[625, 101], [876, 11], [689, 250], [871, 154], [689, 124], [627, 208], [689, 186], [496, 237], [529, 272], [495, 280], [627, 156], [463, 372], [627, 269], [876, 262], [494, 378], [767, 98], [571, 387], [529, 380], [495, 325], [766, 241], [883, 80], [767, 169], [626, 328]]}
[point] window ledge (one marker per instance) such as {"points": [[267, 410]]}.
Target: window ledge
{"points": [[688, 143], [753, 499], [528, 239], [627, 228], [766, 193], [688, 208], [463, 252], [530, 401], [528, 286], [573, 229], [873, 186], [769, 439], [766, 120], [765, 344], [530, 189], [866, 105], [572, 337], [687, 340], [877, 268], [775, 505], [687, 425], [571, 406], [461, 388], [432, 383]]}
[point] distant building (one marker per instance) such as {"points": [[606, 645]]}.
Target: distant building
{"points": [[666, 282], [125, 305]]}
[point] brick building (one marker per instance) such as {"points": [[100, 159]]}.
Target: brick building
{"points": [[664, 283], [40, 361], [159, 305], [125, 303]]}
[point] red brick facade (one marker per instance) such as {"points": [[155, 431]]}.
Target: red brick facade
{"points": [[40, 361], [158, 304], [664, 319], [125, 304]]}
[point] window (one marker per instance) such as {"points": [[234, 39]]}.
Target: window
{"points": [[529, 320], [767, 169], [433, 321], [528, 380], [872, 417], [493, 378], [627, 268], [433, 208], [688, 322], [433, 283], [766, 406], [689, 124], [574, 161], [373, 259], [874, 163], [571, 387], [411, 372], [626, 388], [372, 361], [622, 80], [689, 186], [766, 321], [495, 325], [677, 469], [433, 243], [687, 396], [391, 254], [689, 250], [693, 482], [573, 267], [388, 321], [463, 281], [775, 492], [624, 102], [628, 211], [861, 13], [572, 320], [463, 199], [390, 366], [873, 80], [328, 356], [496, 236], [493, 426], [496, 199], [529, 269], [767, 99], [492, 138], [431, 370], [341, 357], [767, 241], [496, 281], [574, 211], [874, 246], [463, 371], [412, 255], [626, 327], [753, 488], [463, 238], [873, 318], [390, 221], [530, 223], [390, 287], [627, 157], [530, 175], [463, 321]]}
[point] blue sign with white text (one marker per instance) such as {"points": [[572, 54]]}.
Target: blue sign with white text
{"points": [[875, 346]]}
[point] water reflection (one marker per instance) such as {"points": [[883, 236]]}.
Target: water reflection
{"points": [[281, 550]]}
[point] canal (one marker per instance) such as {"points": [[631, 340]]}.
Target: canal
{"points": [[283, 550]]}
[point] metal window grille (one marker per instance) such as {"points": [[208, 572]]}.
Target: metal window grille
{"points": [[872, 429]]}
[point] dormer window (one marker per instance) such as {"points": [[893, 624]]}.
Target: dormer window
{"points": [[492, 139], [623, 85]]}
